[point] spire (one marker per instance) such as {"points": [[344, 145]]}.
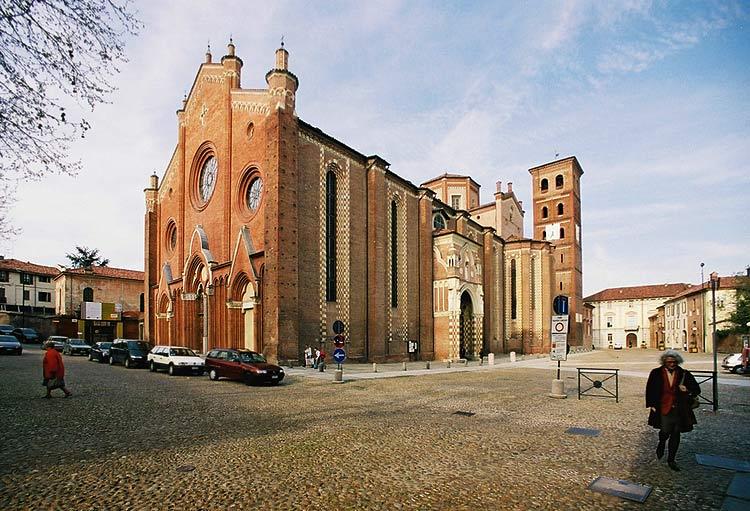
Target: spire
{"points": [[230, 47], [208, 53]]}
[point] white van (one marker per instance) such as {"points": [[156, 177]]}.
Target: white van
{"points": [[618, 345]]}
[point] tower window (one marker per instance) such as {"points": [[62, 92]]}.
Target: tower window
{"points": [[560, 286], [331, 236], [545, 212], [544, 234], [560, 208], [562, 232], [544, 185], [456, 201], [558, 181]]}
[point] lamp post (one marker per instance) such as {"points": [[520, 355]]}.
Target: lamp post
{"points": [[714, 284], [703, 312]]}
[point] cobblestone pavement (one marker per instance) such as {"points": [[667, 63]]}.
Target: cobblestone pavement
{"points": [[123, 439]]}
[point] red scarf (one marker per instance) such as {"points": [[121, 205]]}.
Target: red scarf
{"points": [[668, 391]]}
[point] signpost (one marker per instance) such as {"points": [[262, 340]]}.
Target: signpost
{"points": [[339, 355], [559, 342]]}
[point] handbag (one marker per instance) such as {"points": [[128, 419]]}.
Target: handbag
{"points": [[692, 400]]}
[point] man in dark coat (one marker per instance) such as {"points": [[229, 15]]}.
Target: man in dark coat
{"points": [[669, 393]]}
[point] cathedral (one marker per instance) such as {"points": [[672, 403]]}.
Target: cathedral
{"points": [[267, 233]]}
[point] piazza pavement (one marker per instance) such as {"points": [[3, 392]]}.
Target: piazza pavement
{"points": [[385, 440]]}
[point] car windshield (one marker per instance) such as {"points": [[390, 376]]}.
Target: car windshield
{"points": [[78, 342], [8, 338], [105, 345], [251, 357], [138, 345], [181, 352], [28, 331]]}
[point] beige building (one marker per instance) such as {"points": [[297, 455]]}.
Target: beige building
{"points": [[26, 287], [620, 316]]}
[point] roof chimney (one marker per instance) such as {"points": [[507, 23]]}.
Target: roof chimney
{"points": [[510, 187], [498, 186]]}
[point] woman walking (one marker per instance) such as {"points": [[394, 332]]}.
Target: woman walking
{"points": [[669, 393], [54, 370]]}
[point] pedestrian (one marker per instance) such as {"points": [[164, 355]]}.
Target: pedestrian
{"points": [[308, 356], [321, 360], [669, 393], [53, 370], [316, 359]]}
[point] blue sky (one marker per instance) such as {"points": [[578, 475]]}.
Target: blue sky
{"points": [[651, 97]]}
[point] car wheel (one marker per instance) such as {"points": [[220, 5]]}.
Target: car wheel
{"points": [[171, 370], [91, 357], [736, 369], [19, 352], [127, 363], [213, 375], [111, 360]]}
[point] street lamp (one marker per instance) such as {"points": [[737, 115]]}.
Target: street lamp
{"points": [[714, 284], [703, 313]]}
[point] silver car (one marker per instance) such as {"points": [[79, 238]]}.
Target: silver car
{"points": [[732, 363]]}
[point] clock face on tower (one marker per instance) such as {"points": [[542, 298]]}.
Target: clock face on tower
{"points": [[207, 180], [254, 192]]}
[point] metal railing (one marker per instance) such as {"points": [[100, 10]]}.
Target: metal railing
{"points": [[598, 386], [702, 377]]}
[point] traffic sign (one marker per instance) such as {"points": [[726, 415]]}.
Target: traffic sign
{"points": [[339, 355], [338, 341], [560, 325], [560, 305], [559, 348], [338, 326]]}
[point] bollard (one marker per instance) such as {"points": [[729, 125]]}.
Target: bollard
{"points": [[338, 376], [403, 367], [512, 356], [449, 364], [427, 366], [374, 367], [558, 389], [491, 359]]}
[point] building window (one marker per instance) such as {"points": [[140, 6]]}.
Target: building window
{"points": [[562, 232], [26, 295], [207, 179], [4, 276], [560, 208], [544, 185], [142, 306], [513, 301], [609, 337], [610, 321], [558, 181], [88, 295], [545, 212], [171, 233], [561, 258], [394, 254], [253, 193], [438, 222], [44, 279], [456, 201], [331, 236], [44, 297], [560, 285], [27, 278], [544, 234]]}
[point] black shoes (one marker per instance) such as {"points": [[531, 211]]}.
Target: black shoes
{"points": [[673, 466], [659, 451]]}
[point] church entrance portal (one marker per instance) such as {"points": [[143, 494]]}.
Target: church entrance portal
{"points": [[466, 327]]}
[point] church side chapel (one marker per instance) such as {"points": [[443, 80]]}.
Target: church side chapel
{"points": [[264, 231]]}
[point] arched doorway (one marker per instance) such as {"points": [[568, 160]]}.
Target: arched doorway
{"points": [[466, 327], [631, 340]]}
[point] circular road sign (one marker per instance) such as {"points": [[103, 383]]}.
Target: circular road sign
{"points": [[338, 326], [559, 327], [339, 355], [338, 341]]}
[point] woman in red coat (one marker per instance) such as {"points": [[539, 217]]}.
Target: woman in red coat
{"points": [[54, 370]]}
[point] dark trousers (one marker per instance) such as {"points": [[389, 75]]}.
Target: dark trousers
{"points": [[670, 430]]}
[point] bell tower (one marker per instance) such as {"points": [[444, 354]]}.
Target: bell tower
{"points": [[556, 194]]}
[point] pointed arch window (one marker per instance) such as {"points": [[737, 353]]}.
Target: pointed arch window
{"points": [[513, 301], [394, 254], [331, 236]]}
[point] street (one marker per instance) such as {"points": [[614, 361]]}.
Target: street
{"points": [[131, 439]]}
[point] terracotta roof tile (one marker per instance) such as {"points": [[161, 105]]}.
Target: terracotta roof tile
{"points": [[638, 292], [27, 267], [106, 271]]}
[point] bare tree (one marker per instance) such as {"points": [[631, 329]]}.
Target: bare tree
{"points": [[52, 52], [85, 257]]}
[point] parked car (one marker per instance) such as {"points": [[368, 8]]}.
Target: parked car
{"points": [[76, 347], [58, 341], [175, 359], [129, 352], [245, 365], [732, 363], [9, 344], [26, 335], [100, 351], [7, 329]]}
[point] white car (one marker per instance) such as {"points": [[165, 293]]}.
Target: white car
{"points": [[732, 363], [175, 359]]}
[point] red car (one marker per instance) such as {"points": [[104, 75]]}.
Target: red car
{"points": [[244, 365]]}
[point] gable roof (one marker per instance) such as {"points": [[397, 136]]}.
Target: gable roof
{"points": [[638, 292], [27, 267], [105, 272]]}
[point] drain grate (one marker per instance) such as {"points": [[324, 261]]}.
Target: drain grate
{"points": [[185, 468], [464, 414], [583, 431]]}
